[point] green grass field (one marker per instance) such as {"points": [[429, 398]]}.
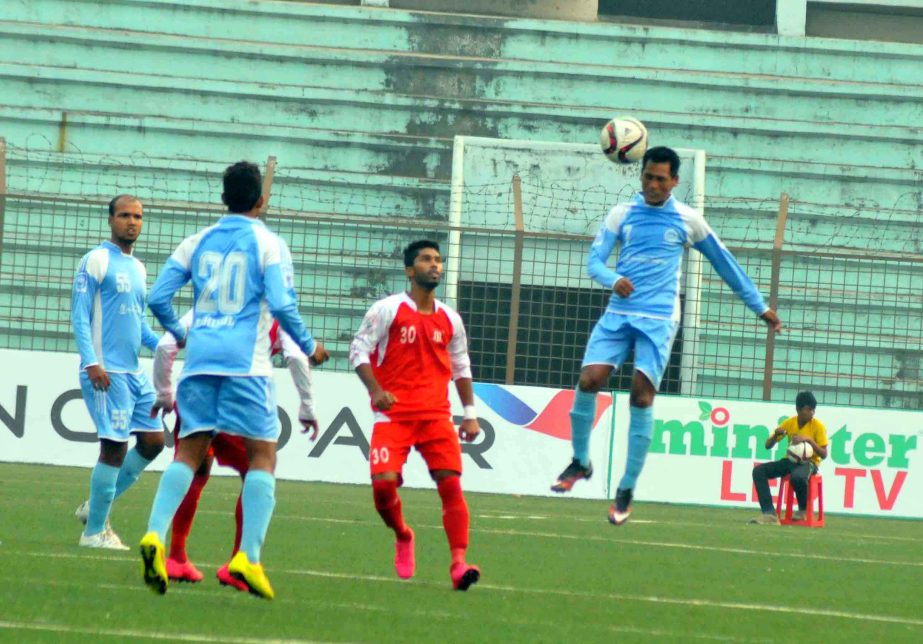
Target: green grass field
{"points": [[553, 570]]}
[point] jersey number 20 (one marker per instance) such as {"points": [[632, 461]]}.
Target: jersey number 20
{"points": [[226, 276]]}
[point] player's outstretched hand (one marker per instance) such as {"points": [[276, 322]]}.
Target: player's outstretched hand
{"points": [[98, 377], [623, 287], [320, 355], [311, 428], [382, 400], [772, 320], [469, 430]]}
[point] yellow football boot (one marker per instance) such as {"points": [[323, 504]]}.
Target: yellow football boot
{"points": [[251, 574], [153, 563]]}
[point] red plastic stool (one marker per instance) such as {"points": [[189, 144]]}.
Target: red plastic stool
{"points": [[815, 493]]}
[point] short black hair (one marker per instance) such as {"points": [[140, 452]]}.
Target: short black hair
{"points": [[805, 399], [413, 249], [115, 201], [243, 186], [662, 154]]}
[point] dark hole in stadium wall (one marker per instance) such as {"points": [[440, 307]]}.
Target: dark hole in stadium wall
{"points": [[554, 325], [754, 13]]}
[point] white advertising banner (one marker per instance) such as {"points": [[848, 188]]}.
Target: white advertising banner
{"points": [[702, 450], [524, 446]]}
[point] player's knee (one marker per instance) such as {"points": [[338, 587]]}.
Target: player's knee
{"points": [[441, 475], [641, 399], [150, 445], [112, 453], [590, 382]]}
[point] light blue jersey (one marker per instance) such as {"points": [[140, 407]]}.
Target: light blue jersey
{"points": [[652, 240], [242, 277], [107, 310]]}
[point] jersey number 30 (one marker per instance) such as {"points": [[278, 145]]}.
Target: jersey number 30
{"points": [[225, 281]]}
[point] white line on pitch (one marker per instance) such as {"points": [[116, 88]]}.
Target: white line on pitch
{"points": [[125, 633], [706, 603]]}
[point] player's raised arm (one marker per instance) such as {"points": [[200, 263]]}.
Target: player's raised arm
{"points": [[705, 241], [174, 275]]}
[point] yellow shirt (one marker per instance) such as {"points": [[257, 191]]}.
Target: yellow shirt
{"points": [[813, 429]]}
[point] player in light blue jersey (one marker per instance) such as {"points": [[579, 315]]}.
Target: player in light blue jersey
{"points": [[242, 277], [107, 314], [644, 311]]}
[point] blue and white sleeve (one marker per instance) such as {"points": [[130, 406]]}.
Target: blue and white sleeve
{"points": [[172, 278], [148, 338], [602, 247], [83, 295], [279, 281], [705, 241]]}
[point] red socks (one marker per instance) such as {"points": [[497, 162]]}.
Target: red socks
{"points": [[454, 516], [388, 504], [182, 520]]}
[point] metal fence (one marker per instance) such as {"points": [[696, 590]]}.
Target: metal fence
{"points": [[852, 302]]}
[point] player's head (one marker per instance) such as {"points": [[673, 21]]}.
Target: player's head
{"points": [[125, 219], [659, 174], [243, 188], [423, 264], [805, 404]]}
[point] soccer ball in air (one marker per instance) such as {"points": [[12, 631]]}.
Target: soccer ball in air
{"points": [[624, 140], [800, 452]]}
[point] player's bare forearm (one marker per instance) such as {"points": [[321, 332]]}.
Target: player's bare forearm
{"points": [[381, 399], [364, 371], [465, 390]]}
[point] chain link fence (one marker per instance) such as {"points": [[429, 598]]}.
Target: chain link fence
{"points": [[847, 280]]}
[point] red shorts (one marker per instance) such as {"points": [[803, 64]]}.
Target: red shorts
{"points": [[436, 440], [229, 450]]}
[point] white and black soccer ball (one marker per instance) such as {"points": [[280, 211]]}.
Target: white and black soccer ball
{"points": [[800, 452], [623, 140]]}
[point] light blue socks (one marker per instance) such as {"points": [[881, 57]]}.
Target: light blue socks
{"points": [[640, 430], [581, 423], [102, 493], [258, 498], [172, 490], [131, 469]]}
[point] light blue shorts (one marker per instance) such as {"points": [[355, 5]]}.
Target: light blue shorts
{"points": [[615, 334], [241, 405], [125, 408]]}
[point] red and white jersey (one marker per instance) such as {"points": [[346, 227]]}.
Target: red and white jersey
{"points": [[413, 355]]}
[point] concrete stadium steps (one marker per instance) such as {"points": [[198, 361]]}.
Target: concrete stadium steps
{"points": [[369, 157], [360, 106], [184, 180], [479, 36], [278, 67]]}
